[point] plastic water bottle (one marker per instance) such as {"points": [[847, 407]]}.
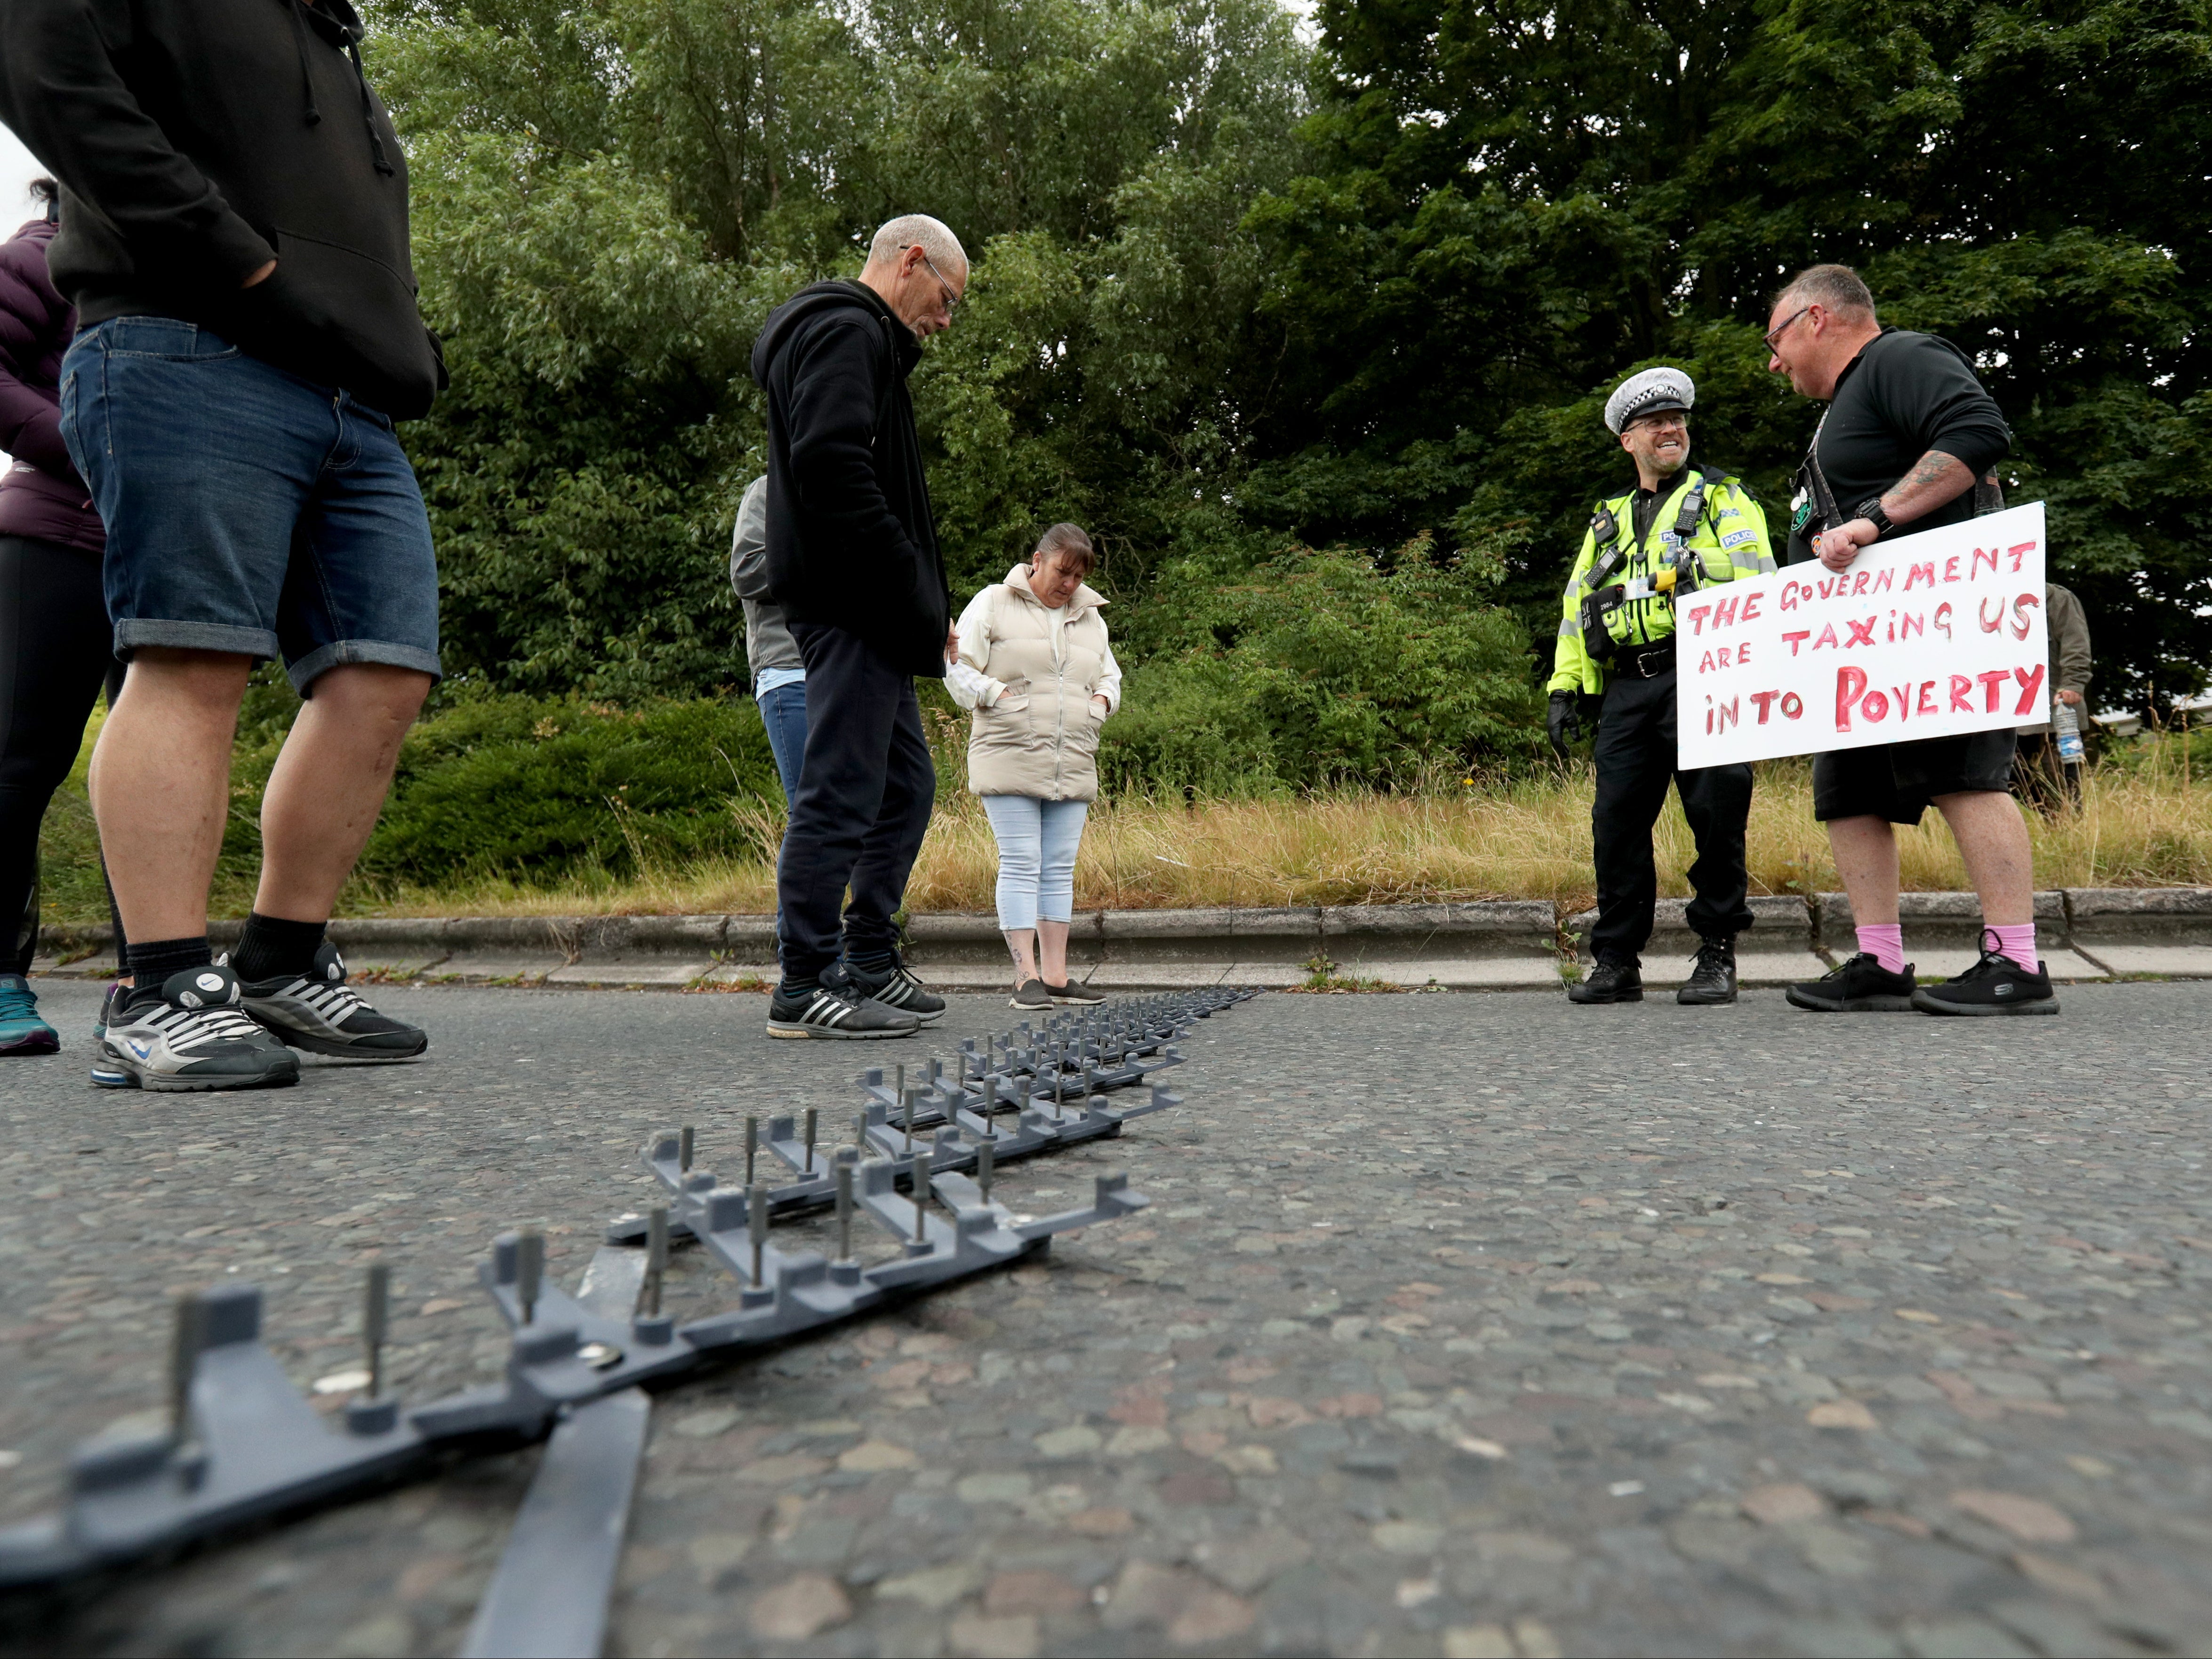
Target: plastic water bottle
{"points": [[2066, 726]]}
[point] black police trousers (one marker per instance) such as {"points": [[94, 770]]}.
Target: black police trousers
{"points": [[1635, 761]]}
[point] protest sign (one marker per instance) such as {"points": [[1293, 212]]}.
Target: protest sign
{"points": [[1932, 635]]}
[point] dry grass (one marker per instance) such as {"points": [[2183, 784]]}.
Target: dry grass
{"points": [[2145, 826]]}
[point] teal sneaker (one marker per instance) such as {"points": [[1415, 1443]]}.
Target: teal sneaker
{"points": [[21, 1031]]}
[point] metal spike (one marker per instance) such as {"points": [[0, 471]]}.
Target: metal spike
{"points": [[920, 1197], [906, 1097], [984, 1161], [752, 1145], [684, 1138], [813, 1122], [529, 1271], [184, 1357], [756, 1225], [656, 1257], [844, 1212], [376, 1321]]}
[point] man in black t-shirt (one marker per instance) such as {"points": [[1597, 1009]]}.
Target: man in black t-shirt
{"points": [[1909, 431]]}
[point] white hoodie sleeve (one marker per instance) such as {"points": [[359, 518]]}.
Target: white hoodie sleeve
{"points": [[964, 677], [1110, 683]]}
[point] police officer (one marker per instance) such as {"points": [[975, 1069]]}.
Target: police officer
{"points": [[1679, 530]]}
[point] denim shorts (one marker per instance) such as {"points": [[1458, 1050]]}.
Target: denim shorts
{"points": [[248, 511]]}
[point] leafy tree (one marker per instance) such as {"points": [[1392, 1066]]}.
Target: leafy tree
{"points": [[1513, 205], [610, 198], [1317, 668]]}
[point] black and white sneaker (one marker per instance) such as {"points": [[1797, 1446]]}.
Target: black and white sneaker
{"points": [[1033, 997], [1073, 996], [836, 1010], [1994, 985], [316, 1011], [1858, 985], [107, 1073], [189, 1036], [896, 987]]}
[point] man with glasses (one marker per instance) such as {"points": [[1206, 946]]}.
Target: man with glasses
{"points": [[1907, 444], [852, 560], [1678, 530]]}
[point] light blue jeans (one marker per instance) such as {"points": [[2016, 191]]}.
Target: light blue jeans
{"points": [[1037, 842]]}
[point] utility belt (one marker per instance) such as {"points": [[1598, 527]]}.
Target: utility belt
{"points": [[1644, 662]]}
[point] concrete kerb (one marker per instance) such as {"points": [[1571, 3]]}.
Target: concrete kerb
{"points": [[2087, 933]]}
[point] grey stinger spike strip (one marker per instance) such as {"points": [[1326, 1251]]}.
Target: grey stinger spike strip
{"points": [[1121, 1044], [246, 1446]]}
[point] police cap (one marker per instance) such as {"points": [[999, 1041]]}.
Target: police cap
{"points": [[1647, 393]]}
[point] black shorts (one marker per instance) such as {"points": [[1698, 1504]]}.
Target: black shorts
{"points": [[1897, 781]]}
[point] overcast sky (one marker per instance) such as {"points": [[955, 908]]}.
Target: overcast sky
{"points": [[17, 169]]}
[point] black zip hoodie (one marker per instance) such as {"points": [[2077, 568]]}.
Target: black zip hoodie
{"points": [[851, 540], [197, 140]]}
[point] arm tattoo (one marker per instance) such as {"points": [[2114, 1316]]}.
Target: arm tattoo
{"points": [[1936, 478]]}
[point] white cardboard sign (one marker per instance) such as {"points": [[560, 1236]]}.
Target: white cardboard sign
{"points": [[1931, 635]]}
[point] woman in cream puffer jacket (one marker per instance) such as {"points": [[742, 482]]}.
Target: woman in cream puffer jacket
{"points": [[1037, 670]]}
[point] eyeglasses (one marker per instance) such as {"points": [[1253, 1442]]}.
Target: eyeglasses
{"points": [[1663, 418], [952, 293], [1782, 327]]}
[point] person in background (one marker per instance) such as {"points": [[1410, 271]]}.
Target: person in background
{"points": [[235, 236], [54, 645], [771, 654], [853, 562], [2043, 771], [1035, 668], [1680, 528], [1909, 438]]}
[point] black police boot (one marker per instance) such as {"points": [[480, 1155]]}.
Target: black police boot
{"points": [[1608, 982], [1712, 976]]}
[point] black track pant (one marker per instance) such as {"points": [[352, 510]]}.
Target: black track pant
{"points": [[56, 653], [1635, 763], [866, 790]]}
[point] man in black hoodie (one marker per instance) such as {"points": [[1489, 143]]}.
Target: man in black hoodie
{"points": [[234, 235], [852, 560]]}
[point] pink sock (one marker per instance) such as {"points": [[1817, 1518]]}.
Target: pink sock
{"points": [[2019, 944], [1885, 942]]}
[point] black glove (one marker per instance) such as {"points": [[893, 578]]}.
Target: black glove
{"points": [[1562, 722]]}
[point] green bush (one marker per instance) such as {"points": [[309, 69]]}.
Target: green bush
{"points": [[542, 788], [1320, 668]]}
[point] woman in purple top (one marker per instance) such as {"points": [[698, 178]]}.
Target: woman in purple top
{"points": [[56, 646]]}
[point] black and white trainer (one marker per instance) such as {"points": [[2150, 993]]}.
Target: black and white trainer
{"points": [[1994, 985], [191, 1035], [896, 987], [1859, 984], [836, 1010], [318, 1011]]}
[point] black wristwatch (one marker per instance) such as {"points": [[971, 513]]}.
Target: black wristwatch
{"points": [[1870, 510]]}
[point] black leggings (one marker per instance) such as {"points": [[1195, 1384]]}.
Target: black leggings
{"points": [[55, 653]]}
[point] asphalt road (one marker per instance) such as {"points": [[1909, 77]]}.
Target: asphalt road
{"points": [[1460, 1324]]}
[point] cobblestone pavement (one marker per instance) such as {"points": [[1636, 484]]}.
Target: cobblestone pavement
{"points": [[1459, 1325]]}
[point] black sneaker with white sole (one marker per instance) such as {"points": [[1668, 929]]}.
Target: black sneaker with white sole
{"points": [[896, 987], [1858, 985], [1073, 996], [189, 1036], [317, 1011], [1994, 985], [1032, 996], [836, 1010]]}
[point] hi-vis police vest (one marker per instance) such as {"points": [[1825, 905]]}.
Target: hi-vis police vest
{"points": [[1622, 594]]}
